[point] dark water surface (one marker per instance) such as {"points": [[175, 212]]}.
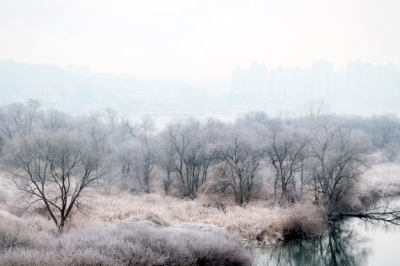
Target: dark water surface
{"points": [[349, 242]]}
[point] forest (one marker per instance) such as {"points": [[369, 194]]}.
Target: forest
{"points": [[123, 189]]}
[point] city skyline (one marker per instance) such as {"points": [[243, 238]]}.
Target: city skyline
{"points": [[81, 92], [360, 79], [360, 83]]}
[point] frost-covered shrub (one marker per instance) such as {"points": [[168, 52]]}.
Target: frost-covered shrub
{"points": [[4, 194], [304, 221], [9, 237], [391, 151], [18, 233], [135, 243]]}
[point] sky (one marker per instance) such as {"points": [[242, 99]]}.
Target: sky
{"points": [[198, 39]]}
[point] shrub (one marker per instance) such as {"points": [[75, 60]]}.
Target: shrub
{"points": [[303, 221], [9, 237], [17, 233], [135, 243], [4, 195]]}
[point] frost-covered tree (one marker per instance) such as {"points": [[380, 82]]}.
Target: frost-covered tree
{"points": [[54, 120], [384, 129], [54, 169], [286, 152], [148, 152], [241, 151], [186, 153], [18, 119], [338, 159]]}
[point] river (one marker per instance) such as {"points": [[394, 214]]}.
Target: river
{"points": [[348, 242]]}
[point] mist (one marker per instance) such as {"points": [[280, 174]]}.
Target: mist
{"points": [[360, 89], [201, 58], [196, 132]]}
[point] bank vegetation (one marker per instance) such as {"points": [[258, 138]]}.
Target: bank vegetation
{"points": [[127, 193]]}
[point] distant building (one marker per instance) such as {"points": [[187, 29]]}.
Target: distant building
{"points": [[290, 83], [32, 93], [45, 93], [279, 83], [386, 83], [238, 81], [51, 93], [299, 83], [360, 79], [84, 95], [339, 86], [251, 81], [322, 74], [69, 95], [359, 83]]}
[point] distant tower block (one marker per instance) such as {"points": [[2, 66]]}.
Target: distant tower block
{"points": [[322, 75], [251, 81], [70, 96]]}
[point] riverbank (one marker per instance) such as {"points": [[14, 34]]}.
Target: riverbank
{"points": [[348, 241], [104, 217]]}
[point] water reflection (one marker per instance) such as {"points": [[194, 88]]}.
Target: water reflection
{"points": [[342, 245]]}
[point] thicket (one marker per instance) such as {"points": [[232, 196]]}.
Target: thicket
{"points": [[315, 155]]}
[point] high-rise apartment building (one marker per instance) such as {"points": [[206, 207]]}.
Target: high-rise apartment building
{"points": [[360, 79], [358, 83], [251, 81], [69, 95], [322, 74]]}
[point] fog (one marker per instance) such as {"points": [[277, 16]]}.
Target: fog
{"points": [[153, 132], [201, 58]]}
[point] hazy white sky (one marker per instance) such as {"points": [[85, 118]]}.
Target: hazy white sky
{"points": [[195, 39]]}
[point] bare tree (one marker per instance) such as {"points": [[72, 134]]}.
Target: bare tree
{"points": [[148, 151], [54, 169], [128, 158], [381, 214], [137, 152], [254, 121], [241, 152], [392, 150], [187, 154], [115, 126], [384, 129], [315, 111], [167, 162], [54, 120], [18, 119], [95, 128], [286, 152], [339, 156]]}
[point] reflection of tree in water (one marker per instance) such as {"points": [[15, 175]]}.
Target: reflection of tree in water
{"points": [[342, 245]]}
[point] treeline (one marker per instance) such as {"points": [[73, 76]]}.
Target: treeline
{"points": [[53, 156]]}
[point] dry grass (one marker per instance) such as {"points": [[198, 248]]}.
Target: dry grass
{"points": [[20, 232], [4, 195], [257, 220], [382, 180], [6, 191], [112, 233]]}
